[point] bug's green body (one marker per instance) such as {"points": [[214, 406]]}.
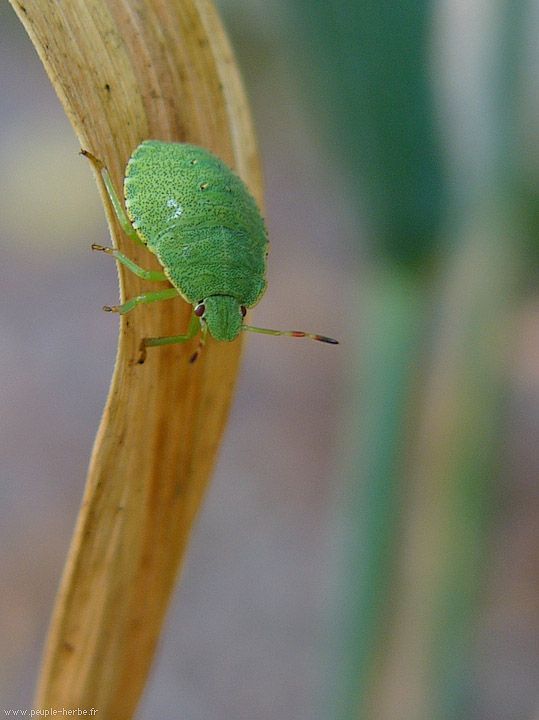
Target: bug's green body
{"points": [[197, 216], [186, 206]]}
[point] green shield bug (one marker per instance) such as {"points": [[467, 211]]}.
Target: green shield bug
{"points": [[196, 215]]}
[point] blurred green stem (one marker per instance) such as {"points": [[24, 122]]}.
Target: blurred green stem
{"points": [[417, 509], [414, 519], [447, 507], [456, 450], [391, 306]]}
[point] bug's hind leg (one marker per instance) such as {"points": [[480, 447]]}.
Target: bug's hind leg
{"points": [[194, 326], [124, 221]]}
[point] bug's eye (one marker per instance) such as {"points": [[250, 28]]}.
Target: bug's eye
{"points": [[200, 309], [243, 311]]}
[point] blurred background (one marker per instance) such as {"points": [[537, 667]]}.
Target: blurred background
{"points": [[368, 547]]}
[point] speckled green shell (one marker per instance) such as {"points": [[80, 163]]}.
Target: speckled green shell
{"points": [[198, 217]]}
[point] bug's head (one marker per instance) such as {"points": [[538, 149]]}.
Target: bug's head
{"points": [[223, 316]]}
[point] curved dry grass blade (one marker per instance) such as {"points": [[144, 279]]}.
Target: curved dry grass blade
{"points": [[125, 71]]}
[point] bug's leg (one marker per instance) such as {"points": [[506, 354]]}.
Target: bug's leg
{"points": [[148, 297], [156, 275], [124, 221], [194, 326], [203, 333]]}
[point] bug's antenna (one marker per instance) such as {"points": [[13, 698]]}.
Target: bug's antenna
{"points": [[291, 333]]}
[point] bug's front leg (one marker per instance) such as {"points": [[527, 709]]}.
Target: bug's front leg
{"points": [[195, 325]]}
